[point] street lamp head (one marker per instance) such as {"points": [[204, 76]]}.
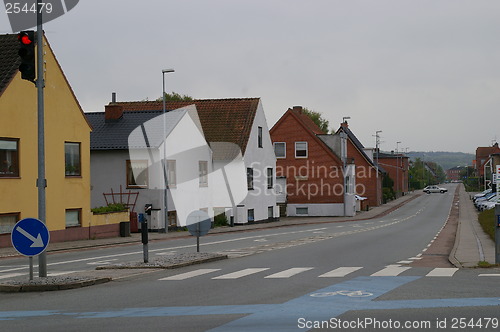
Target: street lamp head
{"points": [[167, 71], [345, 118]]}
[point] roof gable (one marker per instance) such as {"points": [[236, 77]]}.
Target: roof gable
{"points": [[309, 127], [222, 120], [356, 143]]}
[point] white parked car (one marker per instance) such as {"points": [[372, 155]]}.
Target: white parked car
{"points": [[488, 203], [434, 189], [481, 194]]}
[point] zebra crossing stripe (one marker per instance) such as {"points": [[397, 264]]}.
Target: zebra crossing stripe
{"points": [[391, 271], [288, 273], [241, 273], [11, 275], [191, 274], [340, 272], [442, 272]]}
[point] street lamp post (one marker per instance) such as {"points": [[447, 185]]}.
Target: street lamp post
{"points": [[377, 142], [397, 168], [164, 161]]}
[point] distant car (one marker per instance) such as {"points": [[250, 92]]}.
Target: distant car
{"points": [[434, 189]]}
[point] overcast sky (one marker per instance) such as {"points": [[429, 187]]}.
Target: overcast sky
{"points": [[425, 72]]}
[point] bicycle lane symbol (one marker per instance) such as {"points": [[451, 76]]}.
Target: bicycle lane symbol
{"points": [[349, 293]]}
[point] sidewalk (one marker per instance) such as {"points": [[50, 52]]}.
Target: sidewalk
{"points": [[472, 244]]}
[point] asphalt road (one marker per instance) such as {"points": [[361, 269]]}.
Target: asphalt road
{"points": [[353, 276]]}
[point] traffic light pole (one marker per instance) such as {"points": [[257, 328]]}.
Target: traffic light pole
{"points": [[41, 181]]}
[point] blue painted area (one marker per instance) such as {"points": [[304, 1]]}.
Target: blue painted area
{"points": [[321, 305]]}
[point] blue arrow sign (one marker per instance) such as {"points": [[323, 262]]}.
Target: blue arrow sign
{"points": [[30, 237]]}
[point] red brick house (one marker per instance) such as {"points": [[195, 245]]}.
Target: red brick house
{"points": [[368, 183], [396, 166], [483, 155], [313, 166]]}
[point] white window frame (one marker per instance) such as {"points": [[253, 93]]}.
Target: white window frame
{"points": [[203, 173], [306, 149], [171, 173]]}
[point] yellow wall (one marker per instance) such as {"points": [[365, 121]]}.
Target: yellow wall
{"points": [[64, 122]]}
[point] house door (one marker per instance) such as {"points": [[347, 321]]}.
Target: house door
{"points": [[280, 190]]}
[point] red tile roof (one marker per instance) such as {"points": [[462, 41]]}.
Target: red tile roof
{"points": [[223, 120]]}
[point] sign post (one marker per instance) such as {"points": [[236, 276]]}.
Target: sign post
{"points": [[198, 224], [497, 233], [30, 237]]}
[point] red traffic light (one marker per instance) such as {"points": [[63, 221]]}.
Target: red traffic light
{"points": [[24, 38]]}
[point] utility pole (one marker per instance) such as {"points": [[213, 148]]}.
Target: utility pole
{"points": [[41, 181]]}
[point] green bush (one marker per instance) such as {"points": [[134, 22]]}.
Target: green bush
{"points": [[118, 207], [487, 221], [220, 220]]}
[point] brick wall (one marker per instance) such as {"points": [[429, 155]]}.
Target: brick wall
{"points": [[315, 179]]}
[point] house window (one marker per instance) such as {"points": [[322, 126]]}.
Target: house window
{"points": [[73, 217], [171, 173], [9, 157], [137, 173], [72, 159], [260, 137], [250, 178], [172, 218], [8, 221], [280, 149], [203, 168], [300, 149], [302, 211], [251, 215], [270, 212], [269, 178]]}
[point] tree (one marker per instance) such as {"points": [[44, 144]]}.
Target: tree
{"points": [[174, 96], [317, 119]]}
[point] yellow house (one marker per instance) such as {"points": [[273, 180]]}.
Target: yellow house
{"points": [[67, 149]]}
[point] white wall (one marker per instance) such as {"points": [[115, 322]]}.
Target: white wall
{"points": [[316, 210], [260, 198]]}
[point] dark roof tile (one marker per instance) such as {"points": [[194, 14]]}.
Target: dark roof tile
{"points": [[9, 59]]}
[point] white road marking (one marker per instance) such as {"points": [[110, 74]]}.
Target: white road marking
{"points": [[442, 272], [191, 274], [391, 271], [288, 273], [171, 248], [340, 272], [241, 273], [12, 275]]}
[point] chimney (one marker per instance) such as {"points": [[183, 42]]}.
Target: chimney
{"points": [[344, 124], [112, 111], [297, 109]]}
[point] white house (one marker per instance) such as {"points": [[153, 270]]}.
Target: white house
{"points": [[128, 151], [237, 132]]}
